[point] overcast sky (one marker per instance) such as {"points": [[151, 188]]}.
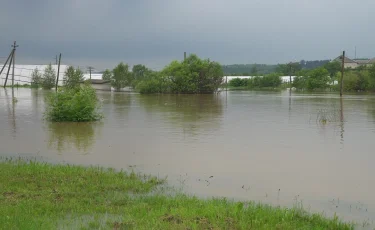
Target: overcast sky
{"points": [[102, 33]]}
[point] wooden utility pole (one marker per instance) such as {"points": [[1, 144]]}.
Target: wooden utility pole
{"points": [[14, 60], [6, 62], [290, 75], [90, 68], [342, 72], [184, 56], [58, 73], [10, 64]]}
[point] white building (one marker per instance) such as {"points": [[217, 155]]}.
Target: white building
{"points": [[284, 79], [22, 73]]}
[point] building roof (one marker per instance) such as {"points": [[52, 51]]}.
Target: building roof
{"points": [[372, 61], [98, 81], [361, 61], [346, 60]]}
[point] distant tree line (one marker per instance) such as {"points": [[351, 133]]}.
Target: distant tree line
{"points": [[271, 81], [320, 78], [263, 69]]}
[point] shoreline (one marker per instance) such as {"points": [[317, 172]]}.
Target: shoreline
{"points": [[48, 196]]}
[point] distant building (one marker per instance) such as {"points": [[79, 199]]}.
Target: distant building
{"points": [[100, 84], [22, 73], [355, 63]]}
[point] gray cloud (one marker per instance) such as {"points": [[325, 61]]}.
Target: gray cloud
{"points": [[102, 33]]}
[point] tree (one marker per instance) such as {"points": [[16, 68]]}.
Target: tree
{"points": [[372, 77], [107, 75], [122, 77], [333, 67], [194, 75], [36, 78], [140, 73], [254, 70], [73, 77], [318, 79], [49, 77]]}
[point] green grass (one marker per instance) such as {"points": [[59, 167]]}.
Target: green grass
{"points": [[44, 196]]}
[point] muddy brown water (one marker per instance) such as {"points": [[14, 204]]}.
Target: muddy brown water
{"points": [[274, 147]]}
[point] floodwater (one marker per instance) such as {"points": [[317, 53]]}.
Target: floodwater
{"points": [[279, 148]]}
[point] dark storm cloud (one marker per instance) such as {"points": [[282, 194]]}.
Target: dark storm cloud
{"points": [[155, 32]]}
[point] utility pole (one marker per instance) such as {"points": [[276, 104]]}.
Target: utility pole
{"points": [[342, 72], [58, 73], [10, 59], [6, 62], [184, 56], [14, 60], [10, 64], [90, 68], [290, 75]]}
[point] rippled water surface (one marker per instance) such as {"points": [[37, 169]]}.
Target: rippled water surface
{"points": [[275, 147]]}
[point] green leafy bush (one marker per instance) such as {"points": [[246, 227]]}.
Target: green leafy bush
{"points": [[73, 104], [238, 82], [193, 75], [318, 79], [154, 82]]}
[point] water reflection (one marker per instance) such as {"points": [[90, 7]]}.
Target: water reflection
{"points": [[11, 104], [64, 135], [342, 120], [192, 113]]}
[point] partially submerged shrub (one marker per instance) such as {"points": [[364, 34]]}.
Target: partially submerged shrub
{"points": [[73, 104]]}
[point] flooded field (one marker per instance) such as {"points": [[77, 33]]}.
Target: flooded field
{"points": [[315, 150]]}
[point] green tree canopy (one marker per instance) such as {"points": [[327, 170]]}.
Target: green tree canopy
{"points": [[73, 77], [107, 75], [333, 67], [49, 76], [254, 70], [122, 77], [36, 78], [194, 75]]}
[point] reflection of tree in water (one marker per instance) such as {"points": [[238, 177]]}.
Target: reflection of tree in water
{"points": [[122, 101], [193, 113], [65, 135]]}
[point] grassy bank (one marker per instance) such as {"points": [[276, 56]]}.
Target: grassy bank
{"points": [[43, 196]]}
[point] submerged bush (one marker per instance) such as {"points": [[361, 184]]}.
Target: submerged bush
{"points": [[238, 82], [73, 104]]}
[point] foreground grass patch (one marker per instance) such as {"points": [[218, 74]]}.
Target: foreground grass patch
{"points": [[43, 196]]}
